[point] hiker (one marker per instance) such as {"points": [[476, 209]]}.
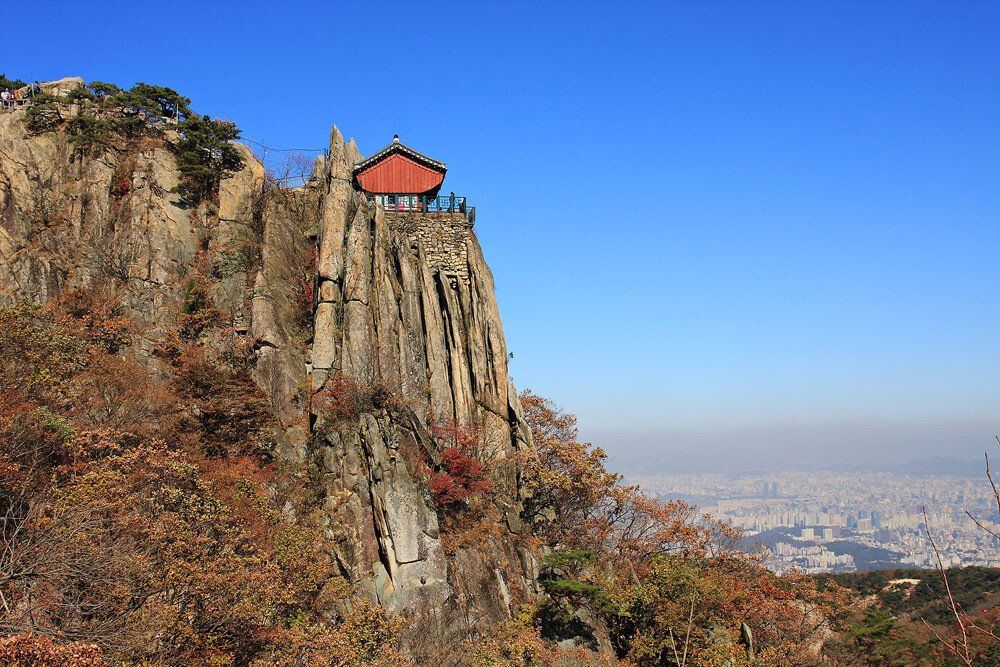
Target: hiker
{"points": [[5, 97], [35, 89]]}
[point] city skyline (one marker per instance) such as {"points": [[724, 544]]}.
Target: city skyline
{"points": [[846, 522]]}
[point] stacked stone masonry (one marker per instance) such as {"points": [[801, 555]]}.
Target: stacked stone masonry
{"points": [[443, 238]]}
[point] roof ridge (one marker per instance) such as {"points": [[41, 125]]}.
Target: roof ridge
{"points": [[398, 147]]}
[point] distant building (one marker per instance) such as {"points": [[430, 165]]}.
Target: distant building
{"points": [[808, 534]]}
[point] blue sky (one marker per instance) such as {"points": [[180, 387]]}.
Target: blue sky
{"points": [[726, 235]]}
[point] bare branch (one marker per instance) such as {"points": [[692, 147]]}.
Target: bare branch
{"points": [[951, 647], [989, 476], [982, 525], [960, 649]]}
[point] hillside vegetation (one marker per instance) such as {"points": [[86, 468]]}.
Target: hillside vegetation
{"points": [[242, 424], [144, 517], [905, 618]]}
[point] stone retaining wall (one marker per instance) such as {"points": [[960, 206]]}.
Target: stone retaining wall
{"points": [[443, 238]]}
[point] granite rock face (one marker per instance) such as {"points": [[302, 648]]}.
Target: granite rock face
{"points": [[396, 304], [386, 314], [72, 222]]}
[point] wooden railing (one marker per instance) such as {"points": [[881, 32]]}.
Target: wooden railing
{"points": [[10, 105], [425, 204]]}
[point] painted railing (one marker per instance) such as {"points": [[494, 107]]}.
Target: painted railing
{"points": [[425, 204]]}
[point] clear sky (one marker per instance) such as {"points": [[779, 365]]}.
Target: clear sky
{"points": [[726, 235]]}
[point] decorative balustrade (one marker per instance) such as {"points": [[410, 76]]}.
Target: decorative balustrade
{"points": [[425, 204]]}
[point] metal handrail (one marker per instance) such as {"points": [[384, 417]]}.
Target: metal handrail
{"points": [[424, 204]]}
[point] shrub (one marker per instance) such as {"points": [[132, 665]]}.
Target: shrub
{"points": [[197, 313], [118, 393], [30, 650], [99, 316], [459, 478], [38, 352], [566, 560], [31, 437], [452, 434], [156, 553], [229, 407], [344, 399], [518, 643], [44, 114], [366, 638]]}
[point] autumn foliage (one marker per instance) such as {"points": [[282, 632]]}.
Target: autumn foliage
{"points": [[460, 477], [574, 502], [140, 511], [29, 650], [657, 581], [520, 643], [145, 522], [344, 399]]}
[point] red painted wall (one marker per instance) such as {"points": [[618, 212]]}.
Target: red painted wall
{"points": [[398, 174]]}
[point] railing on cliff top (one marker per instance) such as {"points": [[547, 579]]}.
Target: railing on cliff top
{"points": [[19, 103], [425, 204]]}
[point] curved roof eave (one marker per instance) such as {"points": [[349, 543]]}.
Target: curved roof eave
{"points": [[398, 147]]}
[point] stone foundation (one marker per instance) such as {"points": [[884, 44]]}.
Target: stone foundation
{"points": [[443, 238]]}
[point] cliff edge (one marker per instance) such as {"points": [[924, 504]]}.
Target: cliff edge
{"points": [[333, 297]]}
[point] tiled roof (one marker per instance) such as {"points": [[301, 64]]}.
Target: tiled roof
{"points": [[398, 147]]}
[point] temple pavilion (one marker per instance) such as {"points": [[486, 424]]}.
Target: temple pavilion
{"points": [[402, 179]]}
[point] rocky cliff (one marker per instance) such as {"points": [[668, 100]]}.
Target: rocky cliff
{"points": [[390, 311], [331, 294]]}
